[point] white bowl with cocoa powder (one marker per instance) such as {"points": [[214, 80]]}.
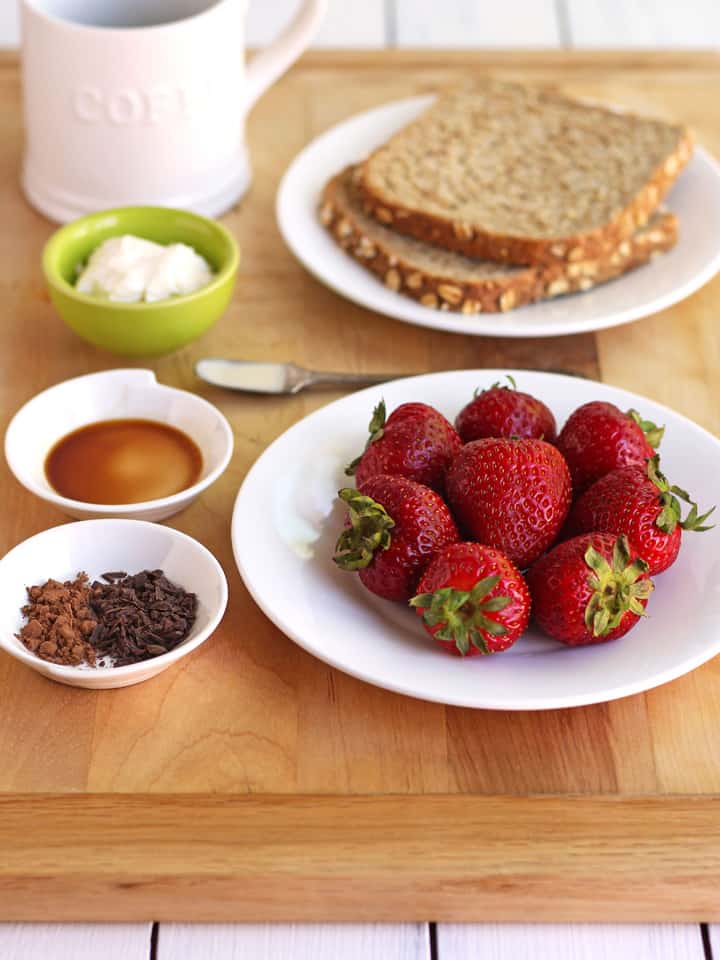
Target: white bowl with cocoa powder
{"points": [[95, 547]]}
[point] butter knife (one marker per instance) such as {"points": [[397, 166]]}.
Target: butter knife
{"points": [[278, 378]]}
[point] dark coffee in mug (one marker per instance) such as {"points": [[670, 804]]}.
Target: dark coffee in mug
{"points": [[123, 14]]}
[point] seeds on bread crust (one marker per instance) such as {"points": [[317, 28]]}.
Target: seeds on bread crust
{"points": [[451, 294], [463, 230], [393, 280], [507, 300], [557, 287], [343, 228], [366, 249], [471, 306], [439, 279]]}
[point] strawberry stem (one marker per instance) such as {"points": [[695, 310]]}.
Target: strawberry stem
{"points": [[498, 385], [376, 428], [653, 433], [616, 587], [369, 530], [463, 614], [671, 513]]}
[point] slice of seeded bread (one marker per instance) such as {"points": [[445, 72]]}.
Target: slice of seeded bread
{"points": [[451, 281], [509, 173]]}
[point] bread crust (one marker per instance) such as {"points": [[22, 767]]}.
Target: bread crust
{"points": [[472, 241], [492, 295]]}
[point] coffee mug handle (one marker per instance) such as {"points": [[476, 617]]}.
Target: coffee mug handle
{"points": [[266, 66]]}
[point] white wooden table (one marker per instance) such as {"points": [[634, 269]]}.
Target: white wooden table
{"points": [[408, 23], [358, 942], [604, 24]]}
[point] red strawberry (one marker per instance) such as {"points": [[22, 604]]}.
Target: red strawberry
{"points": [[473, 600], [598, 437], [505, 412], [639, 502], [416, 442], [394, 528], [513, 495], [589, 589]]}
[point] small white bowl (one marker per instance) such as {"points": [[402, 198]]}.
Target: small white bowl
{"points": [[114, 395], [94, 547]]}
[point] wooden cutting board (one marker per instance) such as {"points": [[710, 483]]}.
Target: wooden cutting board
{"points": [[253, 782]]}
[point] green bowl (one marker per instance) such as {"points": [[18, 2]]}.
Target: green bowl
{"points": [[140, 329]]}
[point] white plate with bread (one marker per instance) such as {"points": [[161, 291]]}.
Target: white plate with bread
{"points": [[611, 217]]}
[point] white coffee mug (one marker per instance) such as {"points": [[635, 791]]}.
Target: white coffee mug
{"points": [[143, 101]]}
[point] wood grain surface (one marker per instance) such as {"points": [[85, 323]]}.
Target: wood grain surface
{"points": [[313, 858], [250, 714]]}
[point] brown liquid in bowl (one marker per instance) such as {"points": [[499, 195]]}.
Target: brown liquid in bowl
{"points": [[123, 461]]}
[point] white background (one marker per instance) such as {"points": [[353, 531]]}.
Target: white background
{"points": [[483, 23]]}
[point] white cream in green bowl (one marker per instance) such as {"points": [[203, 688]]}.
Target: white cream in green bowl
{"points": [[143, 327], [130, 269]]}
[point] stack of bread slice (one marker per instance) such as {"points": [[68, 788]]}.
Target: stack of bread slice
{"points": [[500, 195]]}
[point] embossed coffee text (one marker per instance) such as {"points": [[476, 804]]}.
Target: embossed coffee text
{"points": [[134, 106]]}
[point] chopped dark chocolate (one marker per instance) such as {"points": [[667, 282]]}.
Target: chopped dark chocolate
{"points": [[139, 616]]}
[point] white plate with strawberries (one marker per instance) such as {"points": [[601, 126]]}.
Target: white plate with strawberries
{"points": [[410, 588]]}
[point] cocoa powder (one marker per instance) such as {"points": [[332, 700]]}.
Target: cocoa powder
{"points": [[60, 621], [114, 621]]}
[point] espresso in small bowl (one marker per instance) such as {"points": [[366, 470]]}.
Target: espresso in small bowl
{"points": [[123, 461], [118, 444]]}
